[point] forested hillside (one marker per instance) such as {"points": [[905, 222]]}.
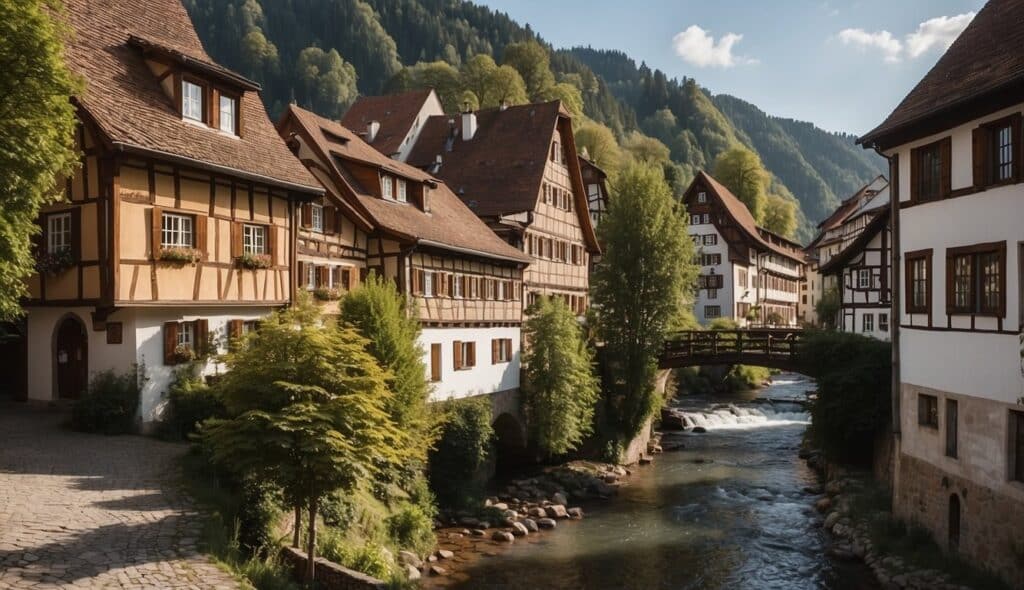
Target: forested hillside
{"points": [[323, 53]]}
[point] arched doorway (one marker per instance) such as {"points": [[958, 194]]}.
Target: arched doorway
{"points": [[509, 443], [954, 522], [71, 358]]}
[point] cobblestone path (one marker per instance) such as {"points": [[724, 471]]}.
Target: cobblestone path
{"points": [[92, 511]]}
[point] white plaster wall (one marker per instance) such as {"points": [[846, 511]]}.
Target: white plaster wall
{"points": [[431, 107], [485, 377], [725, 297]]}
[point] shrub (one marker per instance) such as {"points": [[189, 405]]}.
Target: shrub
{"points": [[410, 528], [254, 261], [190, 401], [110, 404], [461, 451]]}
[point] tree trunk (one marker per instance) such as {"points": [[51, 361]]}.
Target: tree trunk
{"points": [[311, 547], [298, 526]]}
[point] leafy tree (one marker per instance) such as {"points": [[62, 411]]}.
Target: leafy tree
{"points": [[571, 98], [476, 76], [328, 82], [601, 145], [559, 385], [742, 172], [645, 149], [780, 215], [461, 450], [533, 62], [827, 308], [307, 404], [641, 286], [37, 133], [504, 85], [443, 78]]}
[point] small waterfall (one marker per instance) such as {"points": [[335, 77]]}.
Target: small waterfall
{"points": [[736, 417]]}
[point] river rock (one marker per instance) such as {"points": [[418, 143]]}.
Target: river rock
{"points": [[510, 514], [469, 521], [531, 525], [546, 523], [412, 573], [576, 512], [409, 558], [519, 529], [503, 537], [831, 520], [445, 554], [500, 506], [483, 524], [436, 570], [479, 532], [823, 505], [670, 420], [537, 511], [557, 511], [559, 498], [699, 430]]}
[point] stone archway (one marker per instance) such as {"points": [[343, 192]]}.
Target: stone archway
{"points": [[509, 442], [70, 357]]}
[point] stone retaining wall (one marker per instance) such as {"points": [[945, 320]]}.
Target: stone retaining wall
{"points": [[329, 575]]}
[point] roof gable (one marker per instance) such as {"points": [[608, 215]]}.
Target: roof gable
{"points": [[396, 114]]}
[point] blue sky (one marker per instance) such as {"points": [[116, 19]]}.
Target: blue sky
{"points": [[841, 65]]}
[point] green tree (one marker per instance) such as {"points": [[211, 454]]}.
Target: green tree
{"points": [[327, 82], [601, 145], [462, 448], [742, 172], [827, 308], [641, 285], [645, 149], [475, 75], [571, 98], [780, 215], [307, 404], [559, 384], [504, 85], [37, 133], [443, 78], [532, 61]]}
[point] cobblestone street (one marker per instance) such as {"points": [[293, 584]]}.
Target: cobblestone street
{"points": [[89, 511]]}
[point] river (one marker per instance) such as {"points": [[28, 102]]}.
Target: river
{"points": [[732, 510]]}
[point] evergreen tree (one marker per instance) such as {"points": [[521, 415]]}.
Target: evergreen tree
{"points": [[37, 134], [559, 385], [640, 287]]}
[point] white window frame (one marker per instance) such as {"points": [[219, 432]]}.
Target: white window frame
{"points": [[192, 97], [702, 197], [711, 239], [864, 278], [186, 335], [504, 354], [58, 232], [387, 187], [708, 315], [883, 322], [254, 239], [174, 228], [466, 346], [695, 219], [428, 284], [402, 194], [310, 276], [707, 218], [457, 286], [228, 123], [316, 217], [867, 322]]}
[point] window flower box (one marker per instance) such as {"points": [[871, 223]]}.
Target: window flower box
{"points": [[326, 294], [254, 261], [180, 256], [54, 263]]}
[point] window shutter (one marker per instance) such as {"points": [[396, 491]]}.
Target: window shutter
{"points": [[471, 350], [236, 239], [202, 334], [1015, 137], [508, 348], [76, 234], [435, 362], [417, 281], [307, 215], [451, 285], [234, 329], [300, 270], [946, 155], [457, 354], [170, 342], [915, 175], [272, 241], [494, 351], [346, 279], [200, 236], [329, 218], [323, 276], [979, 156], [156, 227]]}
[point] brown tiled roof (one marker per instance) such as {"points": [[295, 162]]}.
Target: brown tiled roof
{"points": [[124, 99], [396, 114], [449, 224], [743, 217], [984, 59]]}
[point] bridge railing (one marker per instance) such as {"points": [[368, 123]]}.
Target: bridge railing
{"points": [[732, 346]]}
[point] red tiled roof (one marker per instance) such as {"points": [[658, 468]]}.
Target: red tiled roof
{"points": [[449, 224], [396, 114], [984, 59], [124, 98]]}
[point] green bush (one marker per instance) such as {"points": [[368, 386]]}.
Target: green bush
{"points": [[461, 451], [854, 375], [190, 401], [411, 528], [110, 404], [367, 557]]}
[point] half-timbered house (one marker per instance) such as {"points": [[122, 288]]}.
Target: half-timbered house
{"points": [[517, 169], [392, 123], [462, 282], [176, 233], [955, 149], [748, 273]]}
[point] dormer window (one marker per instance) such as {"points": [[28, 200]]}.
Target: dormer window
{"points": [[229, 114], [191, 101], [387, 187], [403, 194]]}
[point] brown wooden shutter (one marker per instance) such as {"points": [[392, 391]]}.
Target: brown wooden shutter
{"points": [[323, 276], [457, 354], [329, 220], [417, 281], [451, 285], [156, 228], [1015, 134], [236, 239], [200, 236], [170, 342], [471, 349], [979, 156], [494, 351], [234, 329], [272, 240], [307, 215], [202, 334], [300, 270], [946, 155], [435, 362], [338, 227], [76, 234], [915, 175], [346, 279], [508, 348]]}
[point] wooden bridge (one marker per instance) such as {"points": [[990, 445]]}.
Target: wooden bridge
{"points": [[763, 347]]}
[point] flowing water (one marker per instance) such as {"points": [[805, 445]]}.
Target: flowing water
{"points": [[731, 510]]}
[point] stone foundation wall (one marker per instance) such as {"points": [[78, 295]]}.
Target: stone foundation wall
{"points": [[329, 575], [991, 524]]}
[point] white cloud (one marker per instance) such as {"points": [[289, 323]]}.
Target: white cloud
{"points": [[940, 32], [698, 47]]}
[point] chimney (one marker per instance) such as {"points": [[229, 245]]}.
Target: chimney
{"points": [[371, 131], [468, 125]]}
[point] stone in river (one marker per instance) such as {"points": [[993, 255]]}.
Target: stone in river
{"points": [[503, 537], [412, 573], [699, 430], [557, 511], [436, 570], [445, 554], [519, 529], [538, 512], [559, 498], [831, 520], [823, 505], [531, 525], [546, 523], [479, 532], [575, 512], [409, 558]]}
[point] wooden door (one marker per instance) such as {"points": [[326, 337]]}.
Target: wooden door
{"points": [[72, 359]]}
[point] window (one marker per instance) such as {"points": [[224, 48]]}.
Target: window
{"points": [[58, 232], [310, 276], [741, 278], [501, 350], [702, 197], [952, 411], [919, 281], [316, 217], [435, 362], [1002, 151], [186, 335], [502, 296], [976, 279], [1017, 445], [694, 219], [556, 152], [712, 311], [712, 293], [254, 239], [864, 278], [176, 231], [465, 355], [457, 286], [228, 114], [868, 323], [930, 171], [387, 187], [927, 410], [191, 101], [428, 284], [403, 194], [707, 218], [711, 239], [883, 322]]}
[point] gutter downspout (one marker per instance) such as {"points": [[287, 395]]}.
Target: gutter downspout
{"points": [[894, 291]]}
